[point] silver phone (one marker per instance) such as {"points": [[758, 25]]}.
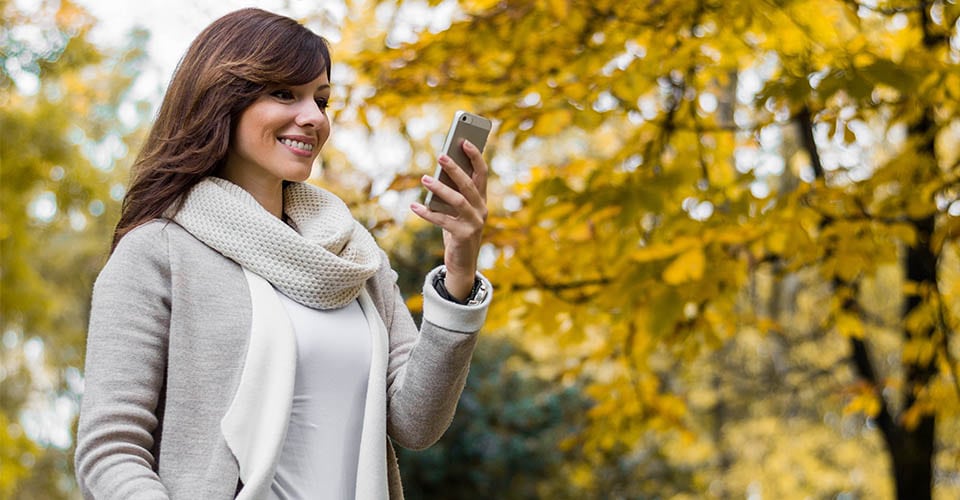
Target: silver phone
{"points": [[471, 127]]}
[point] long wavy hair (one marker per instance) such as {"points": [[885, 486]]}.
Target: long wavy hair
{"points": [[227, 67]]}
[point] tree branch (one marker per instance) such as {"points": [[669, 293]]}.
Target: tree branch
{"points": [[861, 360]]}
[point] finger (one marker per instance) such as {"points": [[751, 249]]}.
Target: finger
{"points": [[462, 208], [454, 226], [466, 185], [435, 218], [480, 170]]}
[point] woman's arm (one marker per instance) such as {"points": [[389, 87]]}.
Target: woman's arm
{"points": [[426, 373], [427, 368], [124, 370]]}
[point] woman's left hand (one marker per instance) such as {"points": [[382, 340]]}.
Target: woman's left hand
{"points": [[462, 231]]}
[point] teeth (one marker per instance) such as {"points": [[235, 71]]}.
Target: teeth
{"points": [[297, 144]]}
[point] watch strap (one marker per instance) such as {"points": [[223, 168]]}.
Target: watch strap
{"points": [[476, 296]]}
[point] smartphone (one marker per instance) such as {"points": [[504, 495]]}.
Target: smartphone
{"points": [[471, 127]]}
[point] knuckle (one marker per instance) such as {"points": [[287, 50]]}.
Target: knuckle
{"points": [[461, 203]]}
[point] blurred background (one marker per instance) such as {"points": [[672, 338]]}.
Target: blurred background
{"points": [[723, 233]]}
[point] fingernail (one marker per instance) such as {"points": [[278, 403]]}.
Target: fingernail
{"points": [[444, 158], [426, 179]]}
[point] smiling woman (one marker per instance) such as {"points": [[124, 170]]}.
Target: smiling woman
{"points": [[278, 138], [224, 71], [245, 320]]}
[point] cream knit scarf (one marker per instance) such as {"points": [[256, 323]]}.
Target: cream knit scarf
{"points": [[322, 264]]}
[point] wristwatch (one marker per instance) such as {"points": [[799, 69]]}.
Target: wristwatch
{"points": [[477, 294]]}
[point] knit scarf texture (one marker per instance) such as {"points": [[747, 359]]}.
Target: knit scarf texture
{"points": [[321, 259]]}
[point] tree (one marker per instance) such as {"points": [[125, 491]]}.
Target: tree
{"points": [[643, 199], [61, 133]]}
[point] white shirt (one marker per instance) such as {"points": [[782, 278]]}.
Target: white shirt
{"points": [[320, 454]]}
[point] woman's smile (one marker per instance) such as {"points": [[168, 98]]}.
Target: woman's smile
{"points": [[298, 144]]}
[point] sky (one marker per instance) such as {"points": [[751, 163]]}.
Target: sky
{"points": [[172, 25]]}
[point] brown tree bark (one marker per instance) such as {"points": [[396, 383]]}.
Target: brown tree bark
{"points": [[911, 449]]}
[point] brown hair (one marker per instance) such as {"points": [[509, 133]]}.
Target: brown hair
{"points": [[229, 65]]}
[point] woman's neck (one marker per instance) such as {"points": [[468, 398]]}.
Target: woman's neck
{"points": [[267, 192]]}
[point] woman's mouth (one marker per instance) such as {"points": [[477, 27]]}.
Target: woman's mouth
{"points": [[302, 146]]}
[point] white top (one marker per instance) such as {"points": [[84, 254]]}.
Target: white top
{"points": [[320, 454]]}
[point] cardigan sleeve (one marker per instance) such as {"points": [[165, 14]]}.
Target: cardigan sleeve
{"points": [[427, 367], [124, 370]]}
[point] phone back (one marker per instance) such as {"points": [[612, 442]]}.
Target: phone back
{"points": [[466, 126], [472, 128]]}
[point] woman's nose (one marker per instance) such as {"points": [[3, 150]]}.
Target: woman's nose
{"points": [[310, 115]]}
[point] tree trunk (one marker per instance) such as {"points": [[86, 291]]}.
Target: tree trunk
{"points": [[911, 450]]}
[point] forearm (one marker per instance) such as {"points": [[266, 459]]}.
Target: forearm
{"points": [[428, 380], [421, 410]]}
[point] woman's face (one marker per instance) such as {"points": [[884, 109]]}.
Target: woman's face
{"points": [[279, 136]]}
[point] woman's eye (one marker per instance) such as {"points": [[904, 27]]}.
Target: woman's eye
{"points": [[322, 103], [284, 95]]}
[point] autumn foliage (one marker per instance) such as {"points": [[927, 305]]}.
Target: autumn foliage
{"points": [[686, 180], [724, 236]]}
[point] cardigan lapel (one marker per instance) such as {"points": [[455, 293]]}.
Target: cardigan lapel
{"points": [[255, 424], [372, 469]]}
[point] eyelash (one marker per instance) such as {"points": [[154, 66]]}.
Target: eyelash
{"points": [[286, 95]]}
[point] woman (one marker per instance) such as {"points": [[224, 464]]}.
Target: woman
{"points": [[247, 338]]}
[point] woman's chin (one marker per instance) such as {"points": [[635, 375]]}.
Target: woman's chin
{"points": [[298, 176]]}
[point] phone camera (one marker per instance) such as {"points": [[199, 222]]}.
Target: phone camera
{"points": [[463, 118]]}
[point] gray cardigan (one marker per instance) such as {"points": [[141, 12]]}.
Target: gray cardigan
{"points": [[169, 324]]}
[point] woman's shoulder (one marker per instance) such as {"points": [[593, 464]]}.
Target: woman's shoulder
{"points": [[140, 257], [148, 231], [158, 241], [158, 235], [165, 242], [147, 238]]}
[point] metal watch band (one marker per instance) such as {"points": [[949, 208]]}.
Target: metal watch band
{"points": [[477, 293]]}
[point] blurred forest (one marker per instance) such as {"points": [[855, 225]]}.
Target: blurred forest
{"points": [[723, 236]]}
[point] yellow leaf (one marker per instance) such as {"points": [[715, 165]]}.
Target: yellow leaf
{"points": [[848, 266], [659, 251], [559, 9], [777, 241], [722, 173], [689, 266], [865, 402], [582, 475], [904, 232], [911, 416], [849, 326], [581, 233], [477, 6], [552, 122]]}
